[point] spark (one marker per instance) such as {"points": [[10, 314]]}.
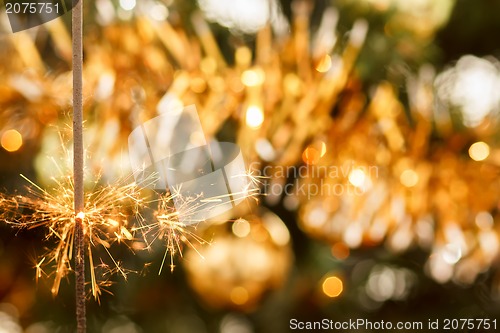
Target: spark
{"points": [[106, 220], [167, 228], [175, 225], [39, 269]]}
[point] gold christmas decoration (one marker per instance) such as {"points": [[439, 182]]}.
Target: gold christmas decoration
{"points": [[247, 257], [376, 185]]}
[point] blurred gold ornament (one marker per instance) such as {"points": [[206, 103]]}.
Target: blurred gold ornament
{"points": [[246, 258]]}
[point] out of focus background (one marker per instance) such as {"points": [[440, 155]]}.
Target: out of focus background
{"points": [[370, 125]]}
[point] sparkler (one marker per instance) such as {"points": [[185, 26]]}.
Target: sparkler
{"points": [[107, 220], [78, 163]]}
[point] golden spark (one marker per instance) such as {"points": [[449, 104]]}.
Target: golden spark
{"points": [[106, 220], [168, 223]]}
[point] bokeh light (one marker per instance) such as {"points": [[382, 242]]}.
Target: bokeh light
{"points": [[332, 286], [241, 228], [252, 77], [451, 253], [484, 220], [409, 178], [479, 151], [473, 85], [324, 64], [254, 117], [128, 4], [358, 178], [239, 295], [311, 155], [340, 250], [241, 15], [11, 140]]}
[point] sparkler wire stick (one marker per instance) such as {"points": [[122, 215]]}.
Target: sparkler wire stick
{"points": [[77, 26]]}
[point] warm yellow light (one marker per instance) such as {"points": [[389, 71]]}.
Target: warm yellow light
{"points": [[479, 151], [292, 84], [333, 286], [198, 85], [243, 55], [254, 116], [357, 177], [251, 78], [314, 152], [324, 64], [323, 149], [239, 295], [80, 216], [241, 228], [11, 140], [451, 253], [235, 84], [311, 155], [208, 65], [128, 4], [409, 178], [484, 220]]}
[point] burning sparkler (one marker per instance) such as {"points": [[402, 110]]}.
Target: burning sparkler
{"points": [[106, 220]]}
